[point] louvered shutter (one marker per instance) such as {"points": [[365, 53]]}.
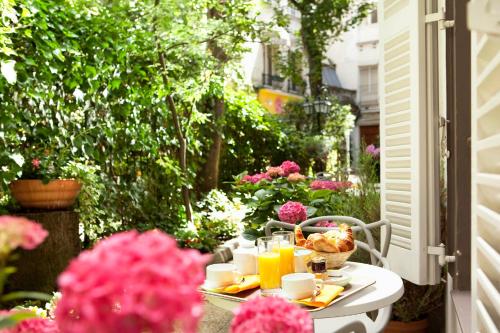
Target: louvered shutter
{"points": [[485, 63], [408, 196]]}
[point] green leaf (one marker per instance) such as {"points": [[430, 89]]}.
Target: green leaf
{"points": [[250, 234], [58, 54], [13, 319], [320, 194], [317, 201], [311, 211], [16, 295], [18, 158], [262, 194]]}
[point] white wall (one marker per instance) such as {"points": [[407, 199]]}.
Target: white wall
{"points": [[357, 47]]}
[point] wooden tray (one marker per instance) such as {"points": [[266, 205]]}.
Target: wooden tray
{"points": [[356, 284]]}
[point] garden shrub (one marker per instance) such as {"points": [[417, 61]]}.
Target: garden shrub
{"points": [[218, 218], [253, 138], [265, 193]]}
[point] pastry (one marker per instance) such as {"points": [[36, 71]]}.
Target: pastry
{"points": [[299, 237], [333, 241]]}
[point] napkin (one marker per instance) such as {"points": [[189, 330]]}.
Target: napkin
{"points": [[247, 282], [327, 294]]}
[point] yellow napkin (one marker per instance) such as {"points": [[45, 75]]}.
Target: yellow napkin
{"points": [[328, 294], [248, 282]]}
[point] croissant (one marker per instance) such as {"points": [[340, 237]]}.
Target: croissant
{"points": [[342, 237], [333, 241], [299, 237]]}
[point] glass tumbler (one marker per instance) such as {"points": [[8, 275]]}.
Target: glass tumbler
{"points": [[269, 264], [286, 251]]}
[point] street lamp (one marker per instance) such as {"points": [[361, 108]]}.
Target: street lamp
{"points": [[316, 108]]}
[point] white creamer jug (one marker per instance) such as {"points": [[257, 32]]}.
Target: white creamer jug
{"points": [[245, 258]]}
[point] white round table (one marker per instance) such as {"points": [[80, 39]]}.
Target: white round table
{"points": [[386, 290]]}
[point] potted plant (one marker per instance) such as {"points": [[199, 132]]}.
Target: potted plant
{"points": [[47, 181], [410, 313]]}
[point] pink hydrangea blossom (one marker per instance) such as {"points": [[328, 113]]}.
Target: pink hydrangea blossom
{"points": [[326, 224], [292, 212], [274, 171], [270, 315], [131, 283], [20, 232], [296, 177], [373, 151], [289, 167], [254, 179], [31, 325], [36, 163], [329, 185]]}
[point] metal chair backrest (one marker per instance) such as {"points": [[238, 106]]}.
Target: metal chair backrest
{"points": [[377, 258]]}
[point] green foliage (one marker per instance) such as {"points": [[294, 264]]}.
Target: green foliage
{"points": [[264, 199], [89, 100], [325, 143], [218, 218], [289, 64], [253, 138], [417, 301]]}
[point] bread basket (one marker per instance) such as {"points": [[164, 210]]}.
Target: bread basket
{"points": [[334, 260]]}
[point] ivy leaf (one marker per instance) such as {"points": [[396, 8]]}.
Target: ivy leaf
{"points": [[18, 158], [8, 71]]}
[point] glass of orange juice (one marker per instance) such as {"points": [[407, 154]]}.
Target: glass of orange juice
{"points": [[286, 251], [269, 264]]}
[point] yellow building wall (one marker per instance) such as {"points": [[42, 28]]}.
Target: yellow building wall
{"points": [[275, 100]]}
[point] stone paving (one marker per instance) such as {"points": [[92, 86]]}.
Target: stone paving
{"points": [[215, 320]]}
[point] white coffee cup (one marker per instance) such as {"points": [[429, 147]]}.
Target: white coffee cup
{"points": [[221, 275], [300, 285], [245, 260]]}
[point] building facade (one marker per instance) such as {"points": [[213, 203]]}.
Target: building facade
{"points": [[355, 58], [261, 63]]}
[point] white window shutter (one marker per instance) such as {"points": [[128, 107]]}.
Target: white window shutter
{"points": [[408, 198], [484, 21]]}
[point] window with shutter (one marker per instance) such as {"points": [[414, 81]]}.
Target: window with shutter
{"points": [[485, 61], [368, 85], [408, 166]]}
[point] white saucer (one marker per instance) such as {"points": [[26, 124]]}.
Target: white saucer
{"points": [[341, 281], [210, 287]]}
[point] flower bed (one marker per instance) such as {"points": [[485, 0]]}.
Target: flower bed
{"points": [[283, 193]]}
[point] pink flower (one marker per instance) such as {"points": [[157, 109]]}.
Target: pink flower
{"points": [[292, 212], [289, 167], [371, 150], [296, 177], [131, 283], [329, 185], [36, 163], [256, 178], [270, 315], [32, 325], [326, 224], [20, 232], [274, 171]]}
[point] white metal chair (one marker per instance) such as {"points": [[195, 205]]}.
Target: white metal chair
{"points": [[362, 323]]}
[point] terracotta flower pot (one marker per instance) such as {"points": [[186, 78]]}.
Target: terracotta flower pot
{"points": [[419, 326], [56, 194]]}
